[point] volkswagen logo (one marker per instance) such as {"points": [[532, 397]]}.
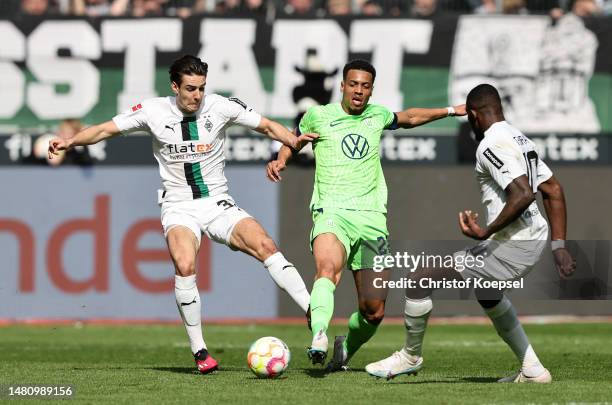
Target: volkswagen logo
{"points": [[355, 146]]}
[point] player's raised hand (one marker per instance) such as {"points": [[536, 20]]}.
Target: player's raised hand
{"points": [[273, 170], [303, 139], [460, 110], [56, 145], [564, 263], [469, 225]]}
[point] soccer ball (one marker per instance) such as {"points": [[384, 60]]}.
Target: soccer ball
{"points": [[268, 357]]}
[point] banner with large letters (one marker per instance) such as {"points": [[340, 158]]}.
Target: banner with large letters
{"points": [[554, 76], [87, 244]]}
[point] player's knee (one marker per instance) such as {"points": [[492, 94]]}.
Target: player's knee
{"points": [[266, 248], [373, 314], [185, 265], [326, 269]]}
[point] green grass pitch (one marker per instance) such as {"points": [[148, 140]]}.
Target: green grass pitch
{"points": [[152, 364]]}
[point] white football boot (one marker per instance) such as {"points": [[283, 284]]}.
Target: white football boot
{"points": [[544, 378], [394, 365], [317, 352]]}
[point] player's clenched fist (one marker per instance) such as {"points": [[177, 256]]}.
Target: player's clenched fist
{"points": [[273, 170], [56, 145]]}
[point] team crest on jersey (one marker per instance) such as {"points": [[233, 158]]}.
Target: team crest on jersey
{"points": [[355, 146], [368, 122], [208, 125]]}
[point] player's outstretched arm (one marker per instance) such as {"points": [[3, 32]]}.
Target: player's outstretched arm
{"points": [[519, 197], [556, 211], [413, 117], [278, 132], [88, 136]]}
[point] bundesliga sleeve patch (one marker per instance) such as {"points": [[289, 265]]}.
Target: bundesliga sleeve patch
{"points": [[497, 162], [137, 107], [238, 101]]}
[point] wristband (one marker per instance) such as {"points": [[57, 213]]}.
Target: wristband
{"points": [[450, 111], [557, 244]]}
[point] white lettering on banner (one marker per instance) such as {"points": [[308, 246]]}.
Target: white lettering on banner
{"points": [[19, 146], [227, 46], [140, 42], [292, 39], [392, 39], [49, 69], [247, 148], [12, 80], [408, 148], [567, 148], [104, 256]]}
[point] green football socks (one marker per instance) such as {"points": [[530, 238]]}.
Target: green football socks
{"points": [[360, 331], [321, 304]]}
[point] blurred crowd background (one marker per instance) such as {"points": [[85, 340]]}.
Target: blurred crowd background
{"points": [[303, 8]]}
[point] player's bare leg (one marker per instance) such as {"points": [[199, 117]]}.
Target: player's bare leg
{"points": [[330, 256], [503, 316], [183, 246], [251, 238], [362, 324]]}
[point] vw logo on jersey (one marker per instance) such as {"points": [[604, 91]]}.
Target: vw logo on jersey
{"points": [[355, 146]]}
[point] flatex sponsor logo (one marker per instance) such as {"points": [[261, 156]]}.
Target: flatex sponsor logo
{"points": [[568, 148], [408, 148], [186, 150]]}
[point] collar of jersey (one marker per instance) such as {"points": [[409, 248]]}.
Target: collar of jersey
{"points": [[495, 124], [339, 106]]}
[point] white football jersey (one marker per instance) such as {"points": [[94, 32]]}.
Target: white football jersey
{"points": [[189, 149], [503, 155]]}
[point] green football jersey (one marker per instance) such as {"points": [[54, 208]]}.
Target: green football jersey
{"points": [[348, 172]]}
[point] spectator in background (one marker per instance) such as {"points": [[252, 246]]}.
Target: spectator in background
{"points": [[514, 7], [338, 7], [423, 8], [255, 6], [579, 8], [227, 6], [486, 7], [99, 8], [300, 7], [371, 8], [147, 8], [586, 8], [35, 7], [178, 8]]}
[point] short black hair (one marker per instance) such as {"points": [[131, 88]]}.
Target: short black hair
{"points": [[187, 65], [484, 96], [359, 64]]}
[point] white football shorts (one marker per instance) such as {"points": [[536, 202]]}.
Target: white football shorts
{"points": [[499, 260], [214, 216]]}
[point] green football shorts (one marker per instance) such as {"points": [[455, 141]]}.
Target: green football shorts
{"points": [[363, 233]]}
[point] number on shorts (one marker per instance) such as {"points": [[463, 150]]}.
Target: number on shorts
{"points": [[383, 245], [225, 203]]}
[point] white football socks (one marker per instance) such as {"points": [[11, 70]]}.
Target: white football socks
{"points": [[286, 276], [416, 315], [511, 331], [190, 307]]}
